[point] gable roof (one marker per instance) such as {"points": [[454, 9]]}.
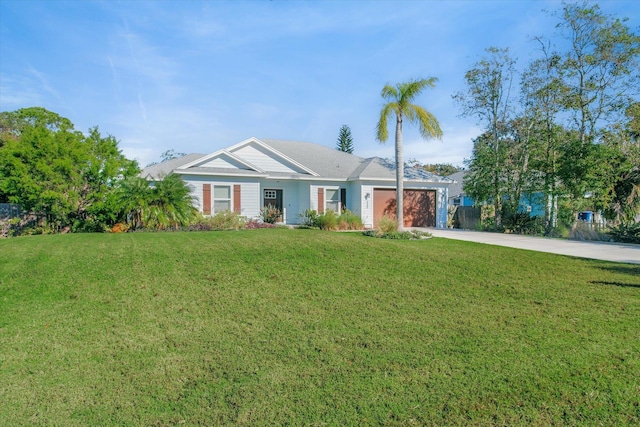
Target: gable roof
{"points": [[456, 189], [377, 168], [276, 158], [160, 170], [326, 162]]}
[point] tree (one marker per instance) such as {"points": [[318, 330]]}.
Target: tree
{"points": [[171, 203], [400, 104], [345, 140], [488, 98], [542, 91], [599, 70], [54, 171], [622, 157], [444, 169], [163, 204]]}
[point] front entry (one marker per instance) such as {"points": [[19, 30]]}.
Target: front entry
{"points": [[273, 199]]}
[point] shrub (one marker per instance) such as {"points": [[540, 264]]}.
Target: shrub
{"points": [[399, 235], [586, 231], [309, 218], [120, 228], [254, 224], [523, 223], [328, 221], [348, 221], [629, 233], [226, 220], [387, 225], [270, 215]]}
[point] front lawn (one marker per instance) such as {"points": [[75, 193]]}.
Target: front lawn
{"points": [[303, 327]]}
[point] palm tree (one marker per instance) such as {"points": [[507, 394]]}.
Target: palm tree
{"points": [[399, 103], [171, 204], [134, 198], [166, 203]]}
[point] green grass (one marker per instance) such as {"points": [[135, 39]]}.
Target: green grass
{"points": [[303, 327]]}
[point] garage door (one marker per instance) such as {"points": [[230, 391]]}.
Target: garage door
{"points": [[419, 206]]}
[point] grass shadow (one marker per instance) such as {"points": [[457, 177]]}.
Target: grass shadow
{"points": [[630, 269], [620, 284]]}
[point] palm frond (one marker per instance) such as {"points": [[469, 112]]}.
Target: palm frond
{"points": [[409, 90], [426, 121], [382, 133], [389, 92]]}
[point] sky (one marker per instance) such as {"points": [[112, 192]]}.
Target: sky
{"points": [[200, 76]]}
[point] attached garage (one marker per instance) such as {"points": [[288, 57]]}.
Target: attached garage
{"points": [[419, 206]]}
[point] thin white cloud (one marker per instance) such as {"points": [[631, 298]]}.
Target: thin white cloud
{"points": [[18, 92], [47, 87], [199, 76]]}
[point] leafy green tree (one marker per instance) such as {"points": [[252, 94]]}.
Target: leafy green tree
{"points": [[621, 155], [488, 98], [56, 172], [444, 169], [399, 104], [106, 166], [599, 68], [542, 92], [345, 140]]}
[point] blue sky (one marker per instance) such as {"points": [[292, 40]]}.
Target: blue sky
{"points": [[198, 76]]}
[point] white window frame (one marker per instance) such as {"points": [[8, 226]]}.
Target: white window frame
{"points": [[215, 199], [326, 200]]}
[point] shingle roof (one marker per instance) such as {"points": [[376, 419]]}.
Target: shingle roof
{"points": [[327, 162], [165, 168], [456, 190], [331, 163]]}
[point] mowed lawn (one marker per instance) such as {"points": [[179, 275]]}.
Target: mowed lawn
{"points": [[302, 327]]}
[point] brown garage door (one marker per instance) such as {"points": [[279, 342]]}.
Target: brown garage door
{"points": [[419, 206]]}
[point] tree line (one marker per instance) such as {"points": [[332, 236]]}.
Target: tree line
{"points": [[566, 128], [69, 181]]}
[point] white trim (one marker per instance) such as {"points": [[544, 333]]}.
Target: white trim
{"points": [[283, 211], [220, 153], [230, 174], [333, 188]]}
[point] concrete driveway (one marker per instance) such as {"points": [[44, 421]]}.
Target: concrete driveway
{"points": [[617, 252]]}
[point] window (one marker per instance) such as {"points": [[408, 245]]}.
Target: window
{"points": [[332, 200], [221, 198], [270, 194], [456, 201]]}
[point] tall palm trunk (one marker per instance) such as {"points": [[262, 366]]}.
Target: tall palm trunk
{"points": [[399, 175]]}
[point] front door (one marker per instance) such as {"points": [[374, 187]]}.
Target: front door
{"points": [[273, 199]]}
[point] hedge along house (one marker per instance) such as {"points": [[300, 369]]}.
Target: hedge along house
{"points": [[296, 176]]}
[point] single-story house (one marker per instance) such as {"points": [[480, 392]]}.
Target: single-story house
{"points": [[457, 196], [296, 176], [531, 203]]}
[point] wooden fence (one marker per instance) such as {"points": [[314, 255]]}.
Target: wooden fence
{"points": [[467, 217]]}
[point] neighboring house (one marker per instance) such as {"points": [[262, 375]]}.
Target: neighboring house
{"points": [[533, 203], [296, 176], [457, 196]]}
